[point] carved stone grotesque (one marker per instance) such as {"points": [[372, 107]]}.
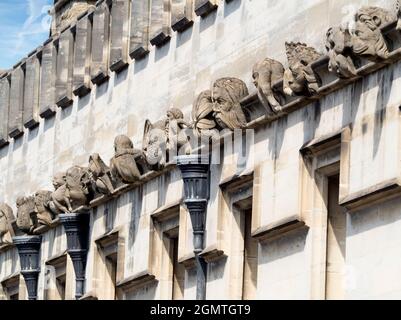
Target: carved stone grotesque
{"points": [[344, 46], [100, 175], [60, 202], [163, 136], [220, 108], [6, 219], [299, 78], [26, 214], [43, 212], [72, 190], [369, 41], [123, 165], [34, 211], [265, 74], [339, 48]]}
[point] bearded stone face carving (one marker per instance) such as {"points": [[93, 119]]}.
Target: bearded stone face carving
{"points": [[100, 175], [6, 219], [163, 136], [220, 108], [265, 74], [123, 165], [344, 46], [300, 79]]}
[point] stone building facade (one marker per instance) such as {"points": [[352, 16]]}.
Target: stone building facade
{"points": [[296, 105]]}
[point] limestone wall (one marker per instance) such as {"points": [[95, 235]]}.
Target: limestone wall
{"points": [[284, 186]]}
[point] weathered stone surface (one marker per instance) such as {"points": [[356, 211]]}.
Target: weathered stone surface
{"points": [[64, 69], [4, 106], [31, 92], [15, 125], [82, 57], [265, 74], [123, 165], [66, 12], [300, 78], [220, 108], [100, 43], [204, 7], [345, 46], [73, 190], [119, 34], [181, 14], [48, 80], [6, 220], [162, 137], [100, 175], [139, 36], [160, 22]]}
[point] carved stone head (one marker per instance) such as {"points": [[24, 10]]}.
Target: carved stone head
{"points": [[122, 143], [368, 41], [299, 78], [227, 94]]}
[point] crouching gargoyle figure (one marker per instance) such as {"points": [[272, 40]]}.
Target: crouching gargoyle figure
{"points": [[265, 74], [164, 136], [72, 190], [6, 220], [123, 166], [100, 175], [34, 211], [345, 46], [220, 108], [300, 79]]}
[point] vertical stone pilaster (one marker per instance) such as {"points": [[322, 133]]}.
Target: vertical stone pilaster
{"points": [[160, 31], [100, 43], [139, 39], [82, 57], [15, 125], [181, 14], [64, 69], [4, 106], [119, 40], [47, 95], [204, 7], [31, 92]]}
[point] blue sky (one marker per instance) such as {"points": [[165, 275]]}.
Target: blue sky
{"points": [[24, 25]]}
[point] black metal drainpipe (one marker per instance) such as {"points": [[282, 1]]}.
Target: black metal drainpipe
{"points": [[29, 254], [76, 226], [195, 174]]}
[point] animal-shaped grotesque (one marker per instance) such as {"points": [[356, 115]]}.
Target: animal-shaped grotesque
{"points": [[60, 203], [163, 136], [299, 78], [78, 186], [339, 48], [6, 219], [368, 40], [345, 46], [27, 220], [100, 175], [123, 165], [72, 190], [43, 212], [220, 108], [265, 74]]}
